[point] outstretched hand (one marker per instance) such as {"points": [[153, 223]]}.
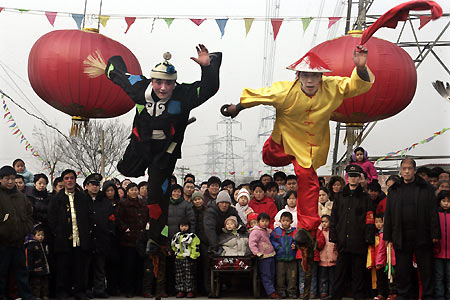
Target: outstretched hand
{"points": [[203, 55], [360, 56]]}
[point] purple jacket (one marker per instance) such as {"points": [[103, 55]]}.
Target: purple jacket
{"points": [[259, 242], [444, 249]]}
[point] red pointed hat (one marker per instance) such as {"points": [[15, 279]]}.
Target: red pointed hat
{"points": [[310, 62]]}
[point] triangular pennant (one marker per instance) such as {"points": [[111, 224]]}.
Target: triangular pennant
{"points": [[222, 23], [248, 24], [197, 21], [332, 20], [51, 17], [276, 24], [306, 22], [130, 21], [78, 19], [168, 21], [23, 10], [103, 20], [424, 20], [1, 8]]}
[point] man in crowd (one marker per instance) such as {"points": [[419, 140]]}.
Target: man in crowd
{"points": [[213, 189], [188, 190]]}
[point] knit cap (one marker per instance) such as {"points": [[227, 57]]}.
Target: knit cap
{"points": [[223, 196], [197, 194], [251, 216], [243, 192], [231, 218]]}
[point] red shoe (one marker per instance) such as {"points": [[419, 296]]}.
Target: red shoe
{"points": [[147, 295], [190, 295], [274, 295], [379, 297], [392, 297], [180, 295]]}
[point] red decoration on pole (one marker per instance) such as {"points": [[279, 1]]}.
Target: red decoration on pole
{"points": [[395, 78], [276, 24], [400, 13], [1, 8], [130, 21], [51, 17], [424, 21], [55, 71], [197, 21], [332, 20]]}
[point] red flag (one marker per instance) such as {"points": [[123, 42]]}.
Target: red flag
{"points": [[332, 20], [424, 21], [1, 8], [51, 17], [197, 21], [130, 21], [276, 24], [400, 13]]}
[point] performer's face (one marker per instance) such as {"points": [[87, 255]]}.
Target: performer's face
{"points": [[163, 88], [310, 82]]}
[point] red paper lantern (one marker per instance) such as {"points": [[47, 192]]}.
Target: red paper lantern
{"points": [[395, 77], [55, 71]]}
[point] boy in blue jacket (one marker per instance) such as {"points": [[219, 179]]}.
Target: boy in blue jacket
{"points": [[282, 239]]}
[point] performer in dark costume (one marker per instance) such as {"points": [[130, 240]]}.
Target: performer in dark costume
{"points": [[162, 114]]}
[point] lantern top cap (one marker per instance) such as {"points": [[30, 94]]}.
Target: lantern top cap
{"points": [[164, 70], [310, 62], [355, 32]]}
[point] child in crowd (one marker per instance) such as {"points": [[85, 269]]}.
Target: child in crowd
{"points": [[442, 252], [252, 221], [20, 183], [360, 157], [271, 189], [242, 207], [37, 264], [19, 166], [325, 205], [282, 238], [328, 257], [291, 206], [232, 242], [185, 245], [262, 204], [261, 247]]}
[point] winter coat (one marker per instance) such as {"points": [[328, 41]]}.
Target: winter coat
{"points": [[60, 221], [280, 202], [328, 255], [259, 242], [282, 241], [320, 243], [186, 245], [367, 167], [213, 223], [325, 209], [199, 213], [178, 210], [266, 205], [28, 177], [103, 222], [381, 207], [131, 218], [352, 224], [381, 254], [40, 201], [234, 243], [443, 251], [427, 222], [293, 211], [243, 211], [36, 255], [16, 219]]}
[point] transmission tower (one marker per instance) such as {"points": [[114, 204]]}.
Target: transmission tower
{"points": [[250, 160], [229, 157], [212, 155]]}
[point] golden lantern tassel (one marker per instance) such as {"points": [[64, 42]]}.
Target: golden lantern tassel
{"points": [[78, 124]]}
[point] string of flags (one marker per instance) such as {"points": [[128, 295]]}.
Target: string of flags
{"points": [[403, 151], [18, 133]]}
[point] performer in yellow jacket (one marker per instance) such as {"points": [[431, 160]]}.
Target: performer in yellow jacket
{"points": [[301, 133]]}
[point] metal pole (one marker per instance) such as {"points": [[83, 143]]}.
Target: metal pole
{"points": [[102, 171]]}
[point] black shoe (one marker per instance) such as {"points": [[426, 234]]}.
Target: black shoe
{"points": [[129, 295], [81, 297], [101, 295]]}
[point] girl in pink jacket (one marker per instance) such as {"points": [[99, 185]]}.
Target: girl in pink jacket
{"points": [[361, 157], [328, 257]]}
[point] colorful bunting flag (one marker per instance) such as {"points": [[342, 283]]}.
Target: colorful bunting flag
{"points": [[51, 17], [248, 24], [197, 21], [78, 19], [222, 23], [130, 21], [332, 20], [276, 24], [168, 21], [306, 22], [103, 20], [424, 21], [1, 8], [23, 10]]}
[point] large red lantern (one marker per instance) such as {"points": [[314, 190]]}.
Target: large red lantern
{"points": [[55, 71], [395, 77]]}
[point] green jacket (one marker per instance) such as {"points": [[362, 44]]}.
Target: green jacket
{"points": [[186, 245]]}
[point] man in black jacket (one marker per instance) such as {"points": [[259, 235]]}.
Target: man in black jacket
{"points": [[70, 225], [15, 223], [411, 223], [352, 230]]}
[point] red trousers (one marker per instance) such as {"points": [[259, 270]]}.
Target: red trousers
{"points": [[307, 184]]}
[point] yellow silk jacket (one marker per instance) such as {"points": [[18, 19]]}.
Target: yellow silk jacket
{"points": [[302, 122]]}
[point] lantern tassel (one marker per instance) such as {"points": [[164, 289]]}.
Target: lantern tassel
{"points": [[94, 65], [353, 134], [78, 124]]}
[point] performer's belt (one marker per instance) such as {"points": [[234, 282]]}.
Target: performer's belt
{"points": [[158, 134]]}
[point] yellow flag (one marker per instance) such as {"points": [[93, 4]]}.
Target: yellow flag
{"points": [[248, 24], [103, 20]]}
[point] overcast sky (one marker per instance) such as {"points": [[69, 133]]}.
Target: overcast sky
{"points": [[242, 66]]}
